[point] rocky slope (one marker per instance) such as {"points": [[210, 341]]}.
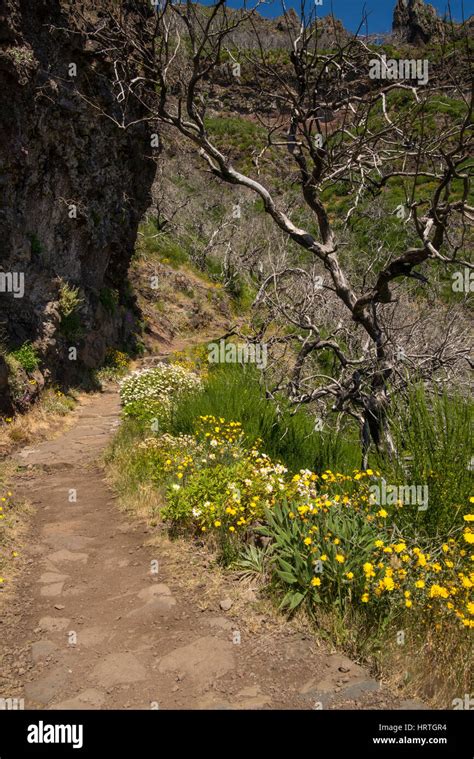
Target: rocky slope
{"points": [[417, 22], [73, 186]]}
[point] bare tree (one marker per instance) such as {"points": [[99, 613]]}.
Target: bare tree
{"points": [[323, 113]]}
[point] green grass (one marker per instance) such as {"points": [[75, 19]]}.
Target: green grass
{"points": [[125, 442], [233, 392], [236, 132], [154, 245], [455, 109], [237, 136], [240, 289], [433, 436]]}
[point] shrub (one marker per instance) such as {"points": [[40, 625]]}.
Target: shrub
{"points": [[27, 357], [116, 359], [148, 413], [109, 299], [225, 488], [115, 365], [16, 378], [334, 550], [69, 299], [69, 304], [151, 457], [162, 383], [54, 401]]}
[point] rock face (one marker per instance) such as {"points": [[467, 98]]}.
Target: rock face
{"points": [[279, 33], [416, 22], [73, 186]]}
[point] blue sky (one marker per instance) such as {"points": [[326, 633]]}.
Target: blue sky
{"points": [[350, 11]]}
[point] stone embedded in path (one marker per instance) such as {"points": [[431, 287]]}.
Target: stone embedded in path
{"points": [[53, 624], [64, 555], [61, 528], [44, 689], [50, 591], [50, 577], [353, 692], [92, 636], [74, 591], [68, 542], [204, 659], [337, 666], [251, 698], [41, 649], [212, 703], [342, 680], [114, 562], [118, 668], [155, 591], [222, 622], [158, 598]]}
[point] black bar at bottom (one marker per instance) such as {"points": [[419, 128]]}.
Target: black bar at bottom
{"points": [[159, 732]]}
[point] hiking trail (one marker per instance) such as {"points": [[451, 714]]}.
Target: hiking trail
{"points": [[91, 624]]}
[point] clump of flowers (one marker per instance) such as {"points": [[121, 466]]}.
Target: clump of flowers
{"points": [[117, 359], [221, 438], [150, 412], [163, 383], [331, 540], [228, 488], [193, 359], [342, 545], [167, 454], [436, 579]]}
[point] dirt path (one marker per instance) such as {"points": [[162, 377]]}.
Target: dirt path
{"points": [[109, 614]]}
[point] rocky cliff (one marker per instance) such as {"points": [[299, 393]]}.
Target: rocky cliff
{"points": [[73, 186], [417, 22]]}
